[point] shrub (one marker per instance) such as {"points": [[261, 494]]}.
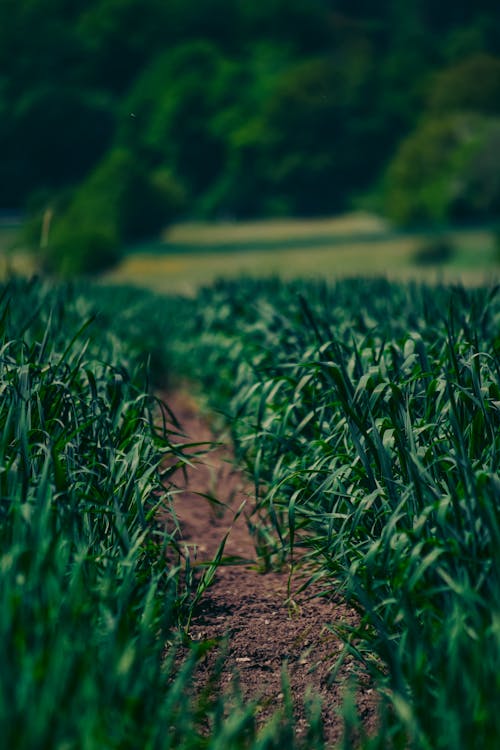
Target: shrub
{"points": [[446, 170], [478, 188], [418, 178], [434, 251], [472, 85], [88, 251], [119, 203], [151, 201]]}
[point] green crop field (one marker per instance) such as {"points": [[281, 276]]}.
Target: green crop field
{"points": [[366, 413], [94, 595], [281, 220]]}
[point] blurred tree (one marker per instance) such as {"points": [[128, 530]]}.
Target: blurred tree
{"points": [[318, 121], [448, 169], [282, 106], [243, 188], [420, 178], [119, 203], [39, 45], [50, 128], [120, 37], [51, 137], [299, 23], [477, 193], [173, 104], [219, 21], [461, 43], [471, 85]]}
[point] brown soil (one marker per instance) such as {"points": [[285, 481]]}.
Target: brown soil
{"points": [[252, 609]]}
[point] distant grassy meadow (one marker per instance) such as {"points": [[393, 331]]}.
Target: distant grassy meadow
{"points": [[191, 255]]}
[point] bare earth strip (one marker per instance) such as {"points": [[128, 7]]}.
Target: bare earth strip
{"points": [[250, 608]]}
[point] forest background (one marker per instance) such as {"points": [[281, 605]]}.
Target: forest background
{"points": [[120, 116]]}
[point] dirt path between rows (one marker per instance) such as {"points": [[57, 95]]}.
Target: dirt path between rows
{"points": [[248, 607]]}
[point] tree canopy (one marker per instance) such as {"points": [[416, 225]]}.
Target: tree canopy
{"points": [[253, 108]]}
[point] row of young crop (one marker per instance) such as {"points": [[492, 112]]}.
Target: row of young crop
{"points": [[93, 597], [368, 415]]}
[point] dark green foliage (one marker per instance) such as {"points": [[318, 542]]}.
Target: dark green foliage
{"points": [[119, 203], [471, 85], [93, 599], [254, 109], [308, 120], [173, 106], [478, 196], [497, 247], [368, 416], [446, 170], [86, 251], [87, 597], [73, 130]]}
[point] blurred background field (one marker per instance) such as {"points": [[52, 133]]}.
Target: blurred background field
{"points": [[191, 255], [196, 255]]}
